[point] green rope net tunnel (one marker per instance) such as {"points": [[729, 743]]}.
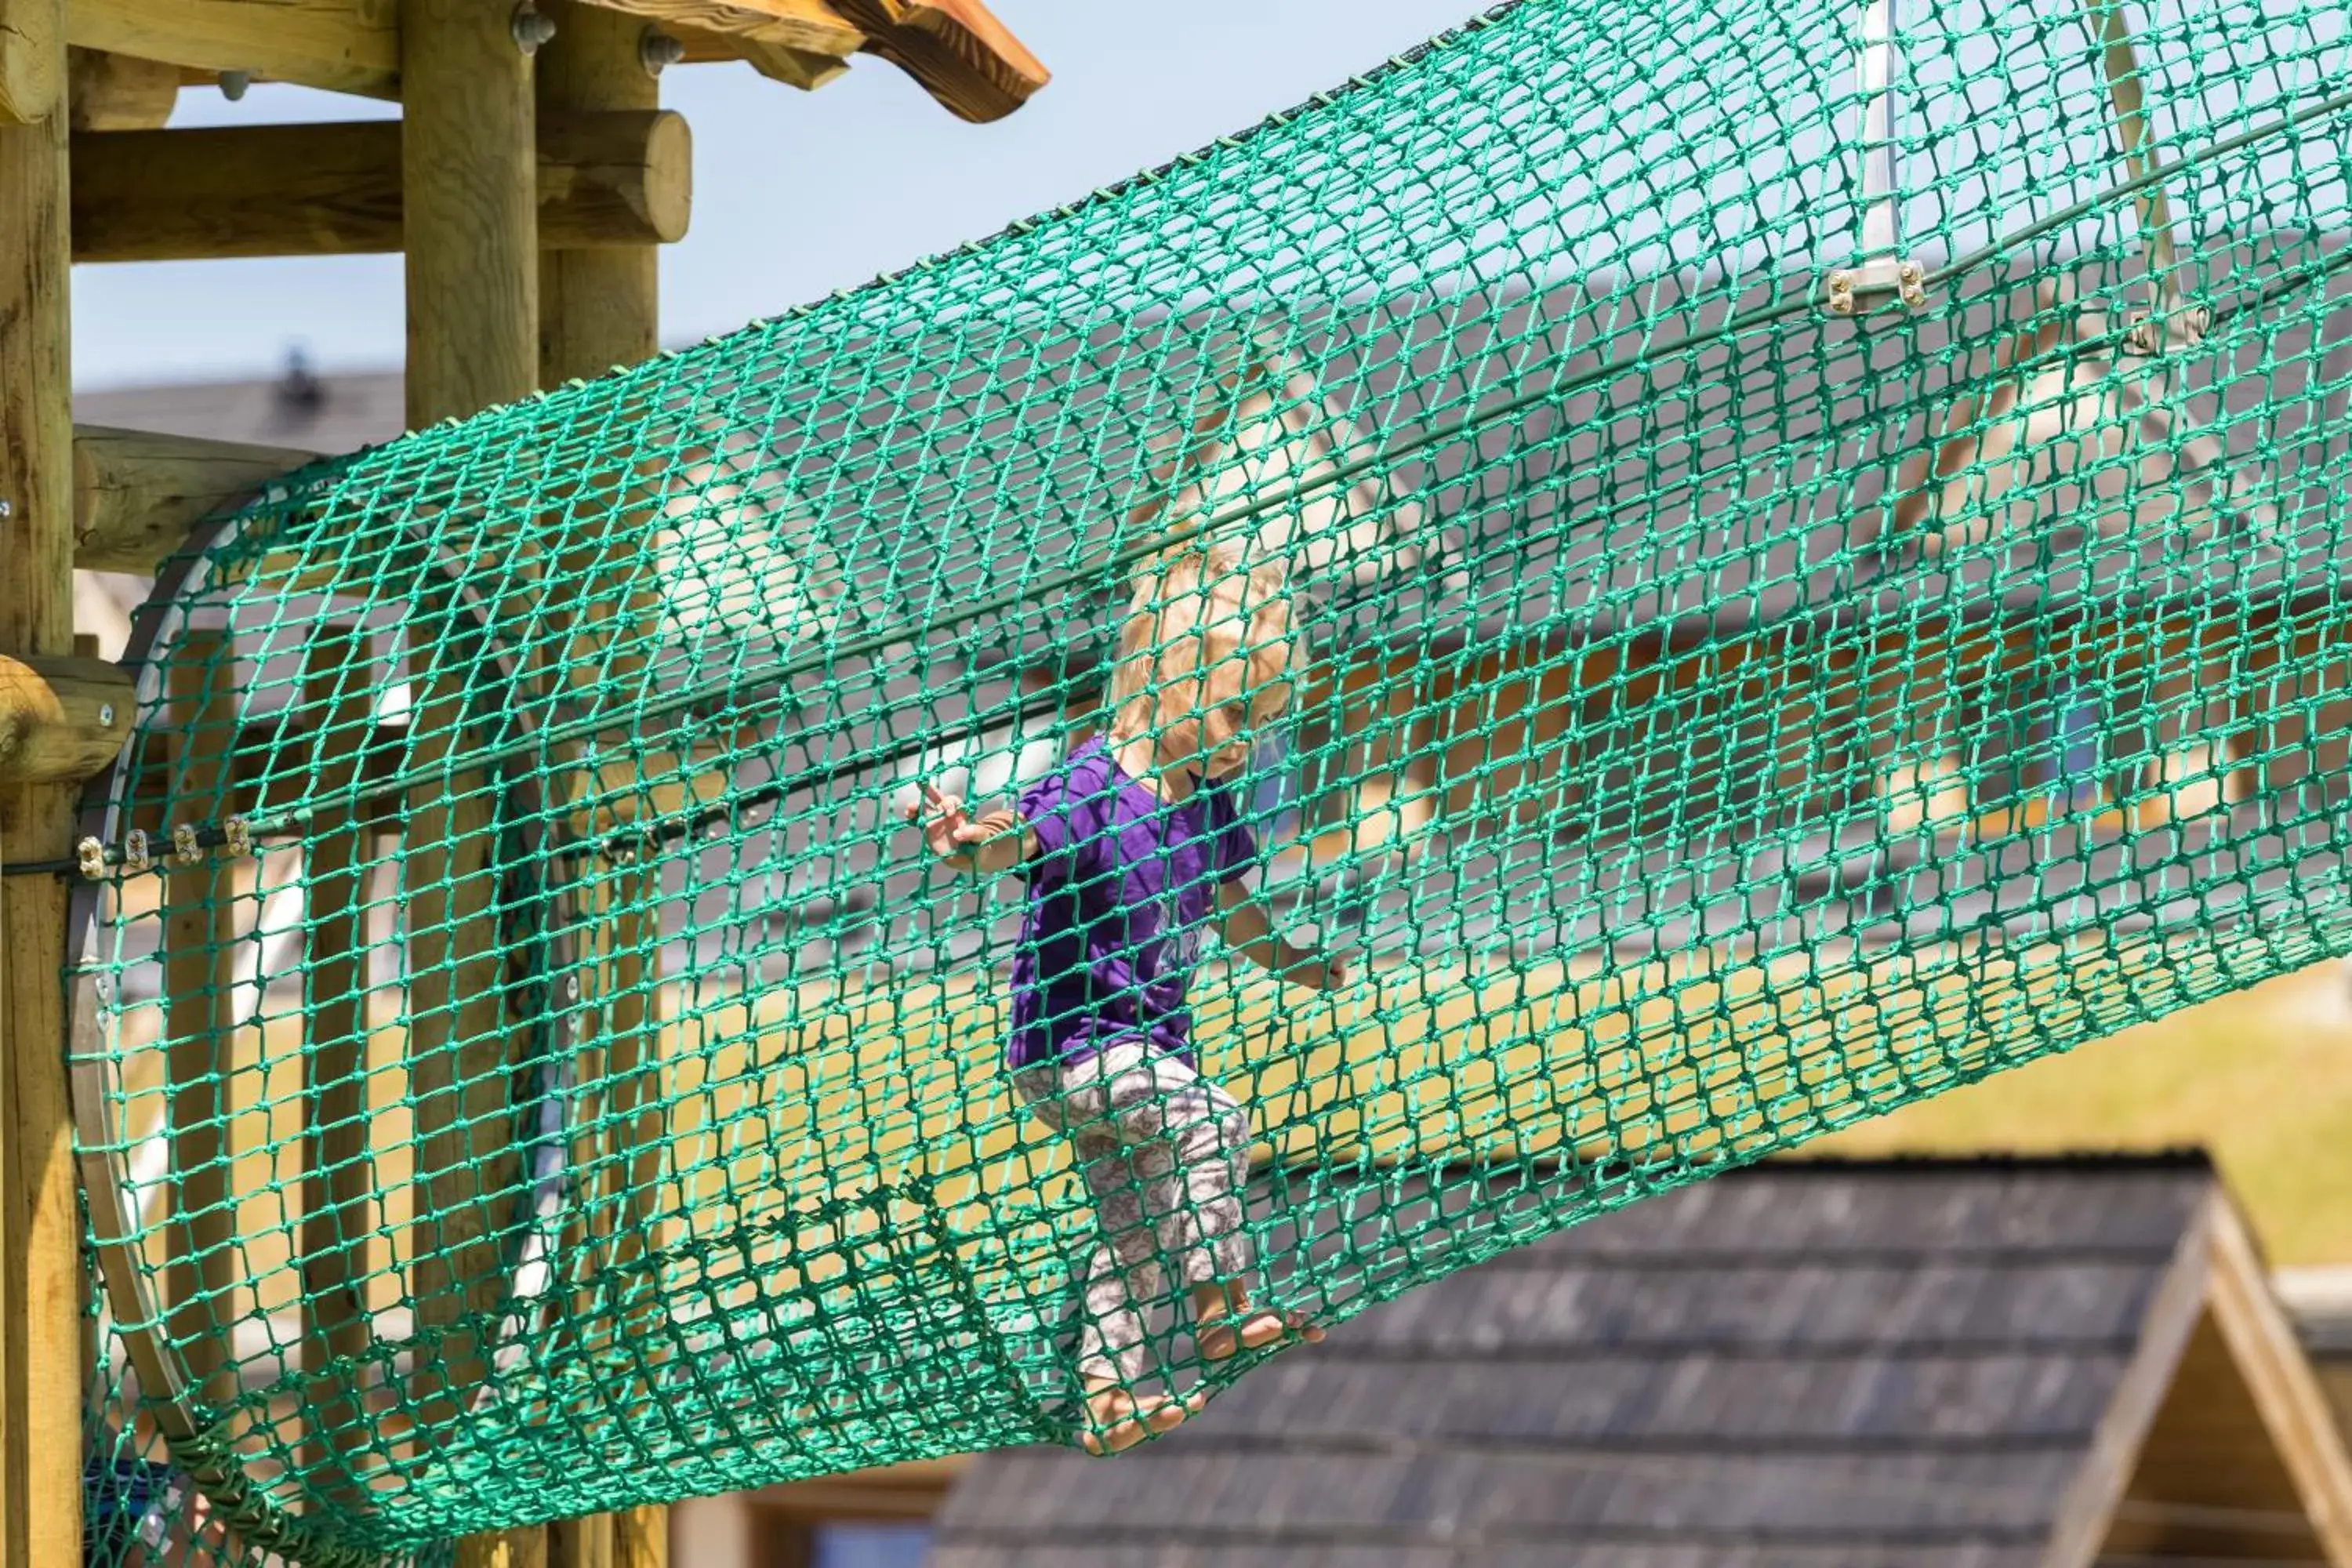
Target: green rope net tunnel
{"points": [[525, 1067]]}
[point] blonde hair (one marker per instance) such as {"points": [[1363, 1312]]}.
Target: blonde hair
{"points": [[1198, 611]]}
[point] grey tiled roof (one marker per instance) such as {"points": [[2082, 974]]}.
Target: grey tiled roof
{"points": [[347, 413], [1792, 1366]]}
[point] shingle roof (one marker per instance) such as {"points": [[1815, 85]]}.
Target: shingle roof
{"points": [[331, 413], [1797, 1365]]}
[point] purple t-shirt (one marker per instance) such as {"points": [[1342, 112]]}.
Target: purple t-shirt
{"points": [[1120, 889]]}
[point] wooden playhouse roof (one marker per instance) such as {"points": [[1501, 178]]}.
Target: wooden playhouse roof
{"points": [[960, 54]]}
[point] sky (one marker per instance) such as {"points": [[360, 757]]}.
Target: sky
{"points": [[795, 194]]}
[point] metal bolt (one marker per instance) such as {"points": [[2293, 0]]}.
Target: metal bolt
{"points": [[234, 83], [657, 51], [106, 715], [7, 510], [532, 29]]}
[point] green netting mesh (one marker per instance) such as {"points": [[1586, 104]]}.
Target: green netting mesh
{"points": [[529, 1066]]}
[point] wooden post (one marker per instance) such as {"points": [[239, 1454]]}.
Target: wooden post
{"points": [[200, 1021], [335, 1179], [469, 216], [599, 308], [470, 231], [41, 1278]]}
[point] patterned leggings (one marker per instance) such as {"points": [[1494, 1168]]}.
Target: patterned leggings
{"points": [[1165, 1154]]}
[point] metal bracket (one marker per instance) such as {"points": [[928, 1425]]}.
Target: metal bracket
{"points": [[1886, 272], [1849, 289]]}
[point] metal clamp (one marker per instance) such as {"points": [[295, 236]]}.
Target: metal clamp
{"points": [[1850, 288], [185, 849], [134, 850], [2177, 332], [90, 859]]}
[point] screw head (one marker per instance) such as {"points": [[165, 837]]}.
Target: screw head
{"points": [[7, 508], [657, 51], [106, 715], [533, 28]]}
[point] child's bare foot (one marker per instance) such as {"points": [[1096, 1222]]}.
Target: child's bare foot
{"points": [[1120, 1420], [1251, 1329]]}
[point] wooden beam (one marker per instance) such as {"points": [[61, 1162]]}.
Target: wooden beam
{"points": [[604, 179], [343, 45], [957, 49], [42, 1283], [963, 56], [2294, 1408], [116, 92], [794, 68], [960, 53], [816, 26], [598, 309], [62, 720], [138, 496]]}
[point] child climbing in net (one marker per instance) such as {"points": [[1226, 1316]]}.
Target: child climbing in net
{"points": [[1132, 844]]}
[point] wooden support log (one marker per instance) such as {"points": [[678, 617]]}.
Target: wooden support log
{"points": [[62, 720], [116, 92], [344, 46], [43, 1287], [200, 1024], [336, 1179], [138, 496], [621, 178]]}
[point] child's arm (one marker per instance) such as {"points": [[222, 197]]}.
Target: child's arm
{"points": [[1244, 924], [987, 846]]}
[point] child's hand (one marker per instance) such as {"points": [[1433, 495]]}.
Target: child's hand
{"points": [[1317, 971], [950, 832]]}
